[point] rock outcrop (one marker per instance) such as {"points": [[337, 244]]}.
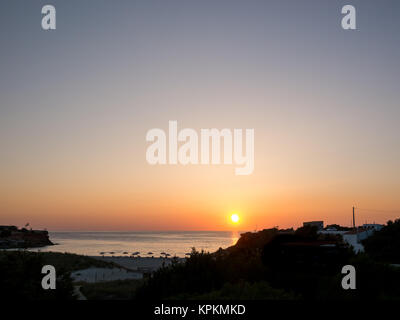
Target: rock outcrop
{"points": [[12, 237]]}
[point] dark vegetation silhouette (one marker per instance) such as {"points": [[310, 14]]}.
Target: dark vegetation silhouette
{"points": [[384, 245], [337, 227], [274, 264], [21, 277], [20, 273]]}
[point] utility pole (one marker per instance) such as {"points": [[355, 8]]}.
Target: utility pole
{"points": [[354, 226]]}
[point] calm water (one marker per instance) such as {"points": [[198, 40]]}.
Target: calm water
{"points": [[174, 243]]}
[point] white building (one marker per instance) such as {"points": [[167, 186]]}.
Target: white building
{"points": [[374, 226], [354, 237]]}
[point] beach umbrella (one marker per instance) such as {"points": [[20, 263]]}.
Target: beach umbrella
{"points": [[187, 254], [162, 252], [149, 252], [125, 252], [112, 252]]}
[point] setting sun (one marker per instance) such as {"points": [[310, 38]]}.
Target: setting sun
{"points": [[235, 218]]}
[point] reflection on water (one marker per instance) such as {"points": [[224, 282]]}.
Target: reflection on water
{"points": [[235, 237], [126, 243]]}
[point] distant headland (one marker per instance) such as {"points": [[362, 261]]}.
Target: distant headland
{"points": [[12, 238]]}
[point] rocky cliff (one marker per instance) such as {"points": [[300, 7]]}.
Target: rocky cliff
{"points": [[12, 237]]}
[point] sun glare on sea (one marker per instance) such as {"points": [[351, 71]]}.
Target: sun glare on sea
{"points": [[235, 218]]}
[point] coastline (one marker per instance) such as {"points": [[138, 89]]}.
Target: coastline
{"points": [[143, 244], [126, 268]]}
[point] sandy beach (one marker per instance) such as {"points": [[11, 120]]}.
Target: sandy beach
{"points": [[92, 275]]}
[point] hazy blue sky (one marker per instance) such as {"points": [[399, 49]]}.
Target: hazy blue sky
{"points": [[75, 105]]}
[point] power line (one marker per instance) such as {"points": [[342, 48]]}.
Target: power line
{"points": [[379, 211]]}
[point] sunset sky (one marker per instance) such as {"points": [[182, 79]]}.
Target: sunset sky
{"points": [[76, 104]]}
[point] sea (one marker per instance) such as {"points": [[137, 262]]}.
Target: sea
{"points": [[144, 244]]}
